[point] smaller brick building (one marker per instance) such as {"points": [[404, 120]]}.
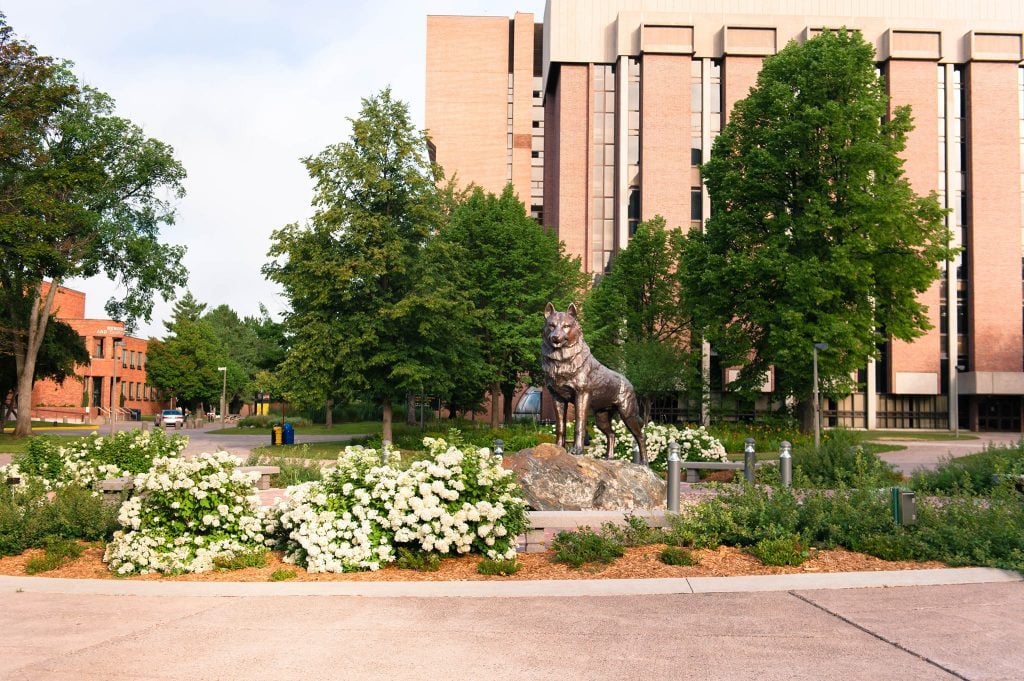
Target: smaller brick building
{"points": [[118, 361]]}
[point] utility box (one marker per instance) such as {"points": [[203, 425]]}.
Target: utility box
{"points": [[904, 506]]}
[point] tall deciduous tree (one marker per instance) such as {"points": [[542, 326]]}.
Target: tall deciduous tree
{"points": [[513, 267], [370, 312], [815, 233], [634, 319], [81, 192]]}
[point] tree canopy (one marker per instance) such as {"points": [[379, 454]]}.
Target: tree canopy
{"points": [[82, 191], [372, 310], [512, 267], [634, 318], [815, 234]]}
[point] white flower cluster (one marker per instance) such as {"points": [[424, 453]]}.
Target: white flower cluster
{"points": [[186, 513], [458, 501], [695, 444], [87, 460]]}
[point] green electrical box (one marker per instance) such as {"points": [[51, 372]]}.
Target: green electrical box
{"points": [[904, 506]]}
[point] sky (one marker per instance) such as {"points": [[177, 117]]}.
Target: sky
{"points": [[242, 90]]}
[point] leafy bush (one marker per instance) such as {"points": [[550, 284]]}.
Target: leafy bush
{"points": [[83, 461], [502, 568], [254, 558], [677, 555], [841, 461], [292, 472], [268, 421], [739, 517], [28, 517], [185, 515], [972, 474], [420, 561], [282, 574], [57, 552], [583, 546], [635, 532], [457, 501], [780, 551]]}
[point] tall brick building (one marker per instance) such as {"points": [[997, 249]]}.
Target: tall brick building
{"points": [[118, 364], [600, 115]]}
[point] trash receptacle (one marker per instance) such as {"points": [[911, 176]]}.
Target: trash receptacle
{"points": [[275, 435], [287, 434]]}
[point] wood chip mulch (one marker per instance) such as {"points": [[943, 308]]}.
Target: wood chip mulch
{"points": [[639, 562]]}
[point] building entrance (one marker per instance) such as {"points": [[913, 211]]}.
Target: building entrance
{"points": [[999, 413]]}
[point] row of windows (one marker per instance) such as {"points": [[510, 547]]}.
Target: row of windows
{"points": [[130, 359], [139, 391]]}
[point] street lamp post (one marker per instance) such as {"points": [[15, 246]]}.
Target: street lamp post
{"points": [[817, 396], [113, 383], [955, 411], [223, 394]]}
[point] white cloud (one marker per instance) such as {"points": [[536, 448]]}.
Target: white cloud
{"points": [[242, 91]]}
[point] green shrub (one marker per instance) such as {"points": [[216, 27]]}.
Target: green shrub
{"points": [[677, 555], [635, 532], [57, 552], [268, 421], [255, 558], [841, 461], [583, 546], [282, 574], [421, 561], [292, 472], [972, 474], [502, 568], [964, 530], [28, 517], [738, 517], [780, 551]]}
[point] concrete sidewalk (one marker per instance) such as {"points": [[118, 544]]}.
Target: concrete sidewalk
{"points": [[297, 631]]}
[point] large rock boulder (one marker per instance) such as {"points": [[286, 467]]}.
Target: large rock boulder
{"points": [[554, 480]]}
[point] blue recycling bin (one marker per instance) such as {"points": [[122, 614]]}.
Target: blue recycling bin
{"points": [[287, 434]]}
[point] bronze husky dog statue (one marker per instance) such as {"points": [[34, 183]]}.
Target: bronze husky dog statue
{"points": [[572, 375]]}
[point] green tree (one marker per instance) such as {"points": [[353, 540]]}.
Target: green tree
{"points": [[186, 363], [81, 192], [513, 267], [634, 318], [815, 234], [372, 310], [254, 343]]}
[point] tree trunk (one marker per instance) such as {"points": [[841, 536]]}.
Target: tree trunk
{"points": [[25, 354], [805, 414], [329, 416], [495, 405], [386, 432], [410, 408], [508, 391]]}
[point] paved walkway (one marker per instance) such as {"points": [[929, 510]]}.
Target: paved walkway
{"points": [[92, 630]]}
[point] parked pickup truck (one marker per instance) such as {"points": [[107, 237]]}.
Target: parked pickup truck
{"points": [[170, 418]]}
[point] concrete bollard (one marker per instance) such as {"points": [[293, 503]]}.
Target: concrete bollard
{"points": [[673, 476], [786, 463], [749, 459]]}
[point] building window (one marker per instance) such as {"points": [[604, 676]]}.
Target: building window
{"points": [[98, 352], [602, 218], [537, 153]]}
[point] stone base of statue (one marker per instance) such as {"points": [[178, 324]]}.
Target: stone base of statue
{"points": [[554, 480]]}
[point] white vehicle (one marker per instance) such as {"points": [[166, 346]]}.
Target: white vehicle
{"points": [[170, 418]]}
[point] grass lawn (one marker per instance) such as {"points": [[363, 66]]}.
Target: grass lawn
{"points": [[12, 445], [305, 450], [357, 428]]}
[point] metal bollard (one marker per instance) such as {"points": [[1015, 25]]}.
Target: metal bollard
{"points": [[749, 459], [499, 448], [786, 463], [636, 453], [673, 476]]}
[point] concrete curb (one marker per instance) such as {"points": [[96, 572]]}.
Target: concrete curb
{"points": [[513, 589]]}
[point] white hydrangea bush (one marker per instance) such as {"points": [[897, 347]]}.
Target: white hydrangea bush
{"points": [[695, 444], [186, 513], [459, 501], [84, 461]]}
